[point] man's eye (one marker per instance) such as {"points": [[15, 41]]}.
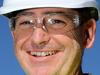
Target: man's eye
{"points": [[55, 21], [26, 23]]}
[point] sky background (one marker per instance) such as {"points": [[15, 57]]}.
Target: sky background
{"points": [[10, 66]]}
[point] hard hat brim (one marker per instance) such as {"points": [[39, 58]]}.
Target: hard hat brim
{"points": [[5, 9], [11, 8]]}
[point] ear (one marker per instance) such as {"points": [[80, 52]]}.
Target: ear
{"points": [[89, 33]]}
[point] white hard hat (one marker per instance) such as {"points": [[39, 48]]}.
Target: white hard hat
{"points": [[15, 5]]}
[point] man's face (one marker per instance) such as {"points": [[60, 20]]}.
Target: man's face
{"points": [[42, 50]]}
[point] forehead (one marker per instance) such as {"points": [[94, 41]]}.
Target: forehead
{"points": [[39, 11]]}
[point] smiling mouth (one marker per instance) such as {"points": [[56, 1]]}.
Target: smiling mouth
{"points": [[43, 53]]}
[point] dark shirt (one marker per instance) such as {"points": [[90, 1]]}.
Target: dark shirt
{"points": [[86, 74]]}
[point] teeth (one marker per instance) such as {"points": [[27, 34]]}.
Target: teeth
{"points": [[43, 53]]}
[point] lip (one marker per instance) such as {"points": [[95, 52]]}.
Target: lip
{"points": [[44, 58]]}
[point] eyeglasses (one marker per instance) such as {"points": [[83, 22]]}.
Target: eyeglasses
{"points": [[54, 23]]}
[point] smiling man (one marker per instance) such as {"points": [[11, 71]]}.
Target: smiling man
{"points": [[50, 36]]}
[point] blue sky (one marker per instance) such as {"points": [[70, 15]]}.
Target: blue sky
{"points": [[10, 66]]}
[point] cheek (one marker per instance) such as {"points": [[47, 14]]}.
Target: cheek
{"points": [[21, 34], [72, 54], [70, 46], [66, 40], [75, 33]]}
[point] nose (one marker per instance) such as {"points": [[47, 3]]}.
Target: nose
{"points": [[40, 36]]}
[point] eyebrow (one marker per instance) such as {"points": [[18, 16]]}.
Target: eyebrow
{"points": [[44, 13], [30, 13], [25, 13], [56, 12]]}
